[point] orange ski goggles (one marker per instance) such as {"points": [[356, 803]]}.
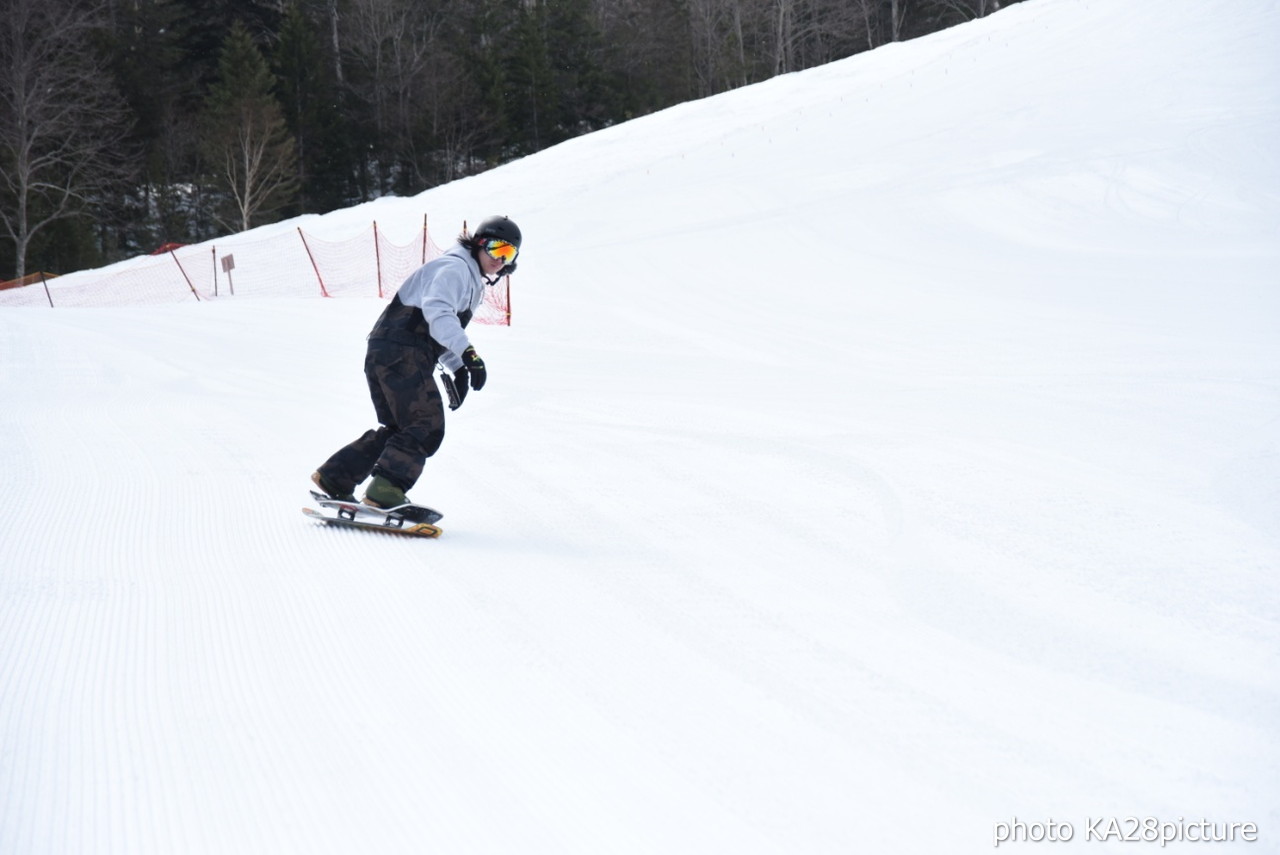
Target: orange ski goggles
{"points": [[501, 250]]}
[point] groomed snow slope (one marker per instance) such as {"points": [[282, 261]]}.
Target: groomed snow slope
{"points": [[879, 453]]}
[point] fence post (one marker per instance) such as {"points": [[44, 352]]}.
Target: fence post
{"points": [[194, 293], [377, 256], [314, 266]]}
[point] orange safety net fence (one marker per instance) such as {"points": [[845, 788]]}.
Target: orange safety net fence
{"points": [[286, 263]]}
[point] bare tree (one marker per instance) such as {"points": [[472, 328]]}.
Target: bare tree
{"points": [[784, 36], [62, 123], [447, 109], [968, 9], [334, 31], [882, 20], [390, 44], [897, 13], [391, 40], [256, 168], [247, 144], [719, 31]]}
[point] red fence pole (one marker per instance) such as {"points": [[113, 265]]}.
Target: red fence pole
{"points": [[319, 278], [377, 256], [194, 293]]}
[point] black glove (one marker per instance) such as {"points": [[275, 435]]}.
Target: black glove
{"points": [[475, 365], [458, 388]]}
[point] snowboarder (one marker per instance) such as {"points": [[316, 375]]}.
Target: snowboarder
{"points": [[424, 324]]}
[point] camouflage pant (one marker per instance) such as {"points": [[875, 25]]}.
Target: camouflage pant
{"points": [[411, 414]]}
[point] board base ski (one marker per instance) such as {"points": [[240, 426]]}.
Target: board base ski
{"points": [[389, 525], [359, 511]]}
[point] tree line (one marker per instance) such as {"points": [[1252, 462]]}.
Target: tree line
{"points": [[129, 124]]}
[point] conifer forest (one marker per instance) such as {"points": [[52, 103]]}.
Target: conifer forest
{"points": [[128, 125]]}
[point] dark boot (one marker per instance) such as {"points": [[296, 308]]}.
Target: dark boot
{"points": [[331, 490]]}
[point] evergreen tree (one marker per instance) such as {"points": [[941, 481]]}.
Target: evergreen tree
{"points": [[648, 54], [481, 33], [206, 24], [587, 94], [530, 98], [147, 45], [311, 101], [247, 146]]}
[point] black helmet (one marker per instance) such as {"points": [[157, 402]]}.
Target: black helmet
{"points": [[500, 228]]}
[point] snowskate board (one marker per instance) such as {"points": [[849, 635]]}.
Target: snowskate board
{"points": [[390, 524], [352, 510]]}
